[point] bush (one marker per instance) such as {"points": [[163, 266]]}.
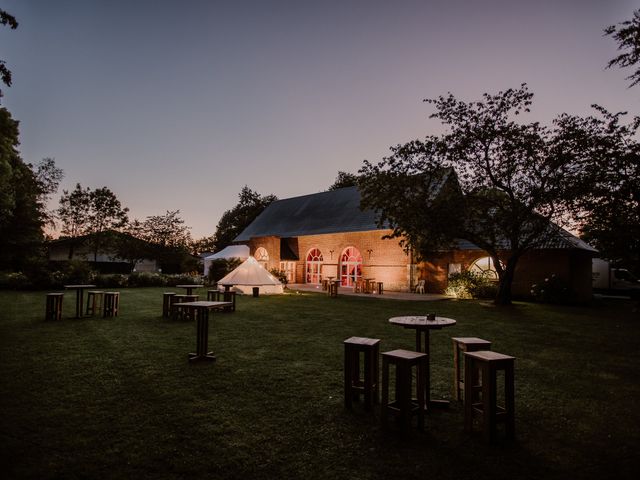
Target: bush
{"points": [[551, 290], [113, 280], [146, 279], [280, 275], [467, 285], [178, 279], [14, 280]]}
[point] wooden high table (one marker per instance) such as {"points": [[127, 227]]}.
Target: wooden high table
{"points": [[423, 326], [202, 309], [190, 288], [79, 296]]}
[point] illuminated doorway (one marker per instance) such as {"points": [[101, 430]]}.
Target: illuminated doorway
{"points": [[350, 267], [314, 266]]}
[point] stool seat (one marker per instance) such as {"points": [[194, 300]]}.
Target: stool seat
{"points": [[354, 384], [461, 345], [404, 405], [481, 392]]}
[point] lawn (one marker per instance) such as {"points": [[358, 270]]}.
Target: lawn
{"points": [[116, 398]]}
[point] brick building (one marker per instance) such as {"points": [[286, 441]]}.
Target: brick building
{"points": [[327, 235]]}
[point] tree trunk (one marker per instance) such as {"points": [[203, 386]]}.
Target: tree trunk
{"points": [[506, 280]]}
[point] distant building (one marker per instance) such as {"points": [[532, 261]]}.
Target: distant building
{"points": [[326, 234]]}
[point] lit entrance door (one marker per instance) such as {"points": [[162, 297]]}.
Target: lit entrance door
{"points": [[314, 266], [350, 267]]}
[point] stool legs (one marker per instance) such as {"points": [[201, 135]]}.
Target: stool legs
{"points": [[353, 384], [481, 393]]}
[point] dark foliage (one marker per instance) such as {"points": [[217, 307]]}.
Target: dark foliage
{"points": [[627, 35]]}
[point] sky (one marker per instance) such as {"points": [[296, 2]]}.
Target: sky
{"points": [[176, 105]]}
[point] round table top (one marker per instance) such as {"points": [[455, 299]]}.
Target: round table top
{"points": [[422, 322]]}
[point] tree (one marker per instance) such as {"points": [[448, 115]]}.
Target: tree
{"points": [[167, 239], [234, 221], [91, 213], [5, 73], [106, 214], [74, 213], [344, 179], [503, 182], [627, 35], [609, 211], [23, 193], [204, 244]]}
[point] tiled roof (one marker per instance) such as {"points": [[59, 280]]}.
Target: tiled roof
{"points": [[325, 212], [558, 239]]}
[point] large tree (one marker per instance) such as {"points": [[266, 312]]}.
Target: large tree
{"points": [[627, 35], [24, 189], [166, 239], [234, 221], [5, 73], [609, 211], [91, 213], [513, 180]]}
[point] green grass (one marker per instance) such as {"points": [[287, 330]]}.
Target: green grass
{"points": [[116, 398]]}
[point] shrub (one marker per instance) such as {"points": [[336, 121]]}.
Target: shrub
{"points": [[467, 285], [280, 275], [14, 280], [111, 280], [551, 290], [173, 280], [146, 279]]}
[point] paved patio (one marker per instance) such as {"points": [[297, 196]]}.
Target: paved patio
{"points": [[304, 287]]}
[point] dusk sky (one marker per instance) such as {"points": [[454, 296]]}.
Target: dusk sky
{"points": [[179, 104]]}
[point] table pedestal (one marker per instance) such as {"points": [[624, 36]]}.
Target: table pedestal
{"points": [[422, 345], [202, 337]]}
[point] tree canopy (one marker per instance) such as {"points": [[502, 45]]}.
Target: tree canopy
{"points": [[627, 35], [5, 73], [344, 179], [234, 221], [609, 210], [90, 212], [24, 189], [499, 183]]}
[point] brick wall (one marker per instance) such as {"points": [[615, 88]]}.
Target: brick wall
{"points": [[572, 266], [383, 260]]}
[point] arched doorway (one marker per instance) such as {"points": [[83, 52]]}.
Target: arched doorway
{"points": [[314, 266], [350, 266], [262, 256]]}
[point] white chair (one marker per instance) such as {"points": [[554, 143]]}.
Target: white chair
{"points": [[420, 286]]}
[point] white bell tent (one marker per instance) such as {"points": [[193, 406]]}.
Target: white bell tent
{"points": [[251, 274], [232, 251]]}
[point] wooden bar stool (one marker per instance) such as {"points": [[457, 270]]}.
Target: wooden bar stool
{"points": [[481, 397], [111, 304], [212, 295], [94, 302], [167, 300], [461, 345], [354, 385], [404, 405], [53, 310], [333, 288], [380, 288], [177, 311]]}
